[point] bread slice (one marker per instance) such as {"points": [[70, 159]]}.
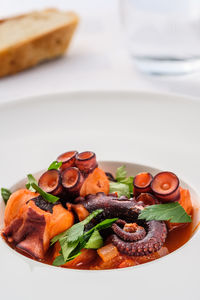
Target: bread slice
{"points": [[29, 39]]}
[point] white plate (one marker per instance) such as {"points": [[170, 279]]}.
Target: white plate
{"points": [[156, 130]]}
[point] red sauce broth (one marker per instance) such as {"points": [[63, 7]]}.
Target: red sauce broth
{"points": [[175, 239]]}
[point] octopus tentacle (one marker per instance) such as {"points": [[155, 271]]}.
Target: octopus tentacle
{"points": [[86, 162], [50, 182], [165, 187], [67, 159], [139, 234], [142, 183], [142, 242], [152, 242], [113, 207], [72, 179]]}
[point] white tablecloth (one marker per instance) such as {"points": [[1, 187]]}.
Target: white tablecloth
{"points": [[97, 59]]}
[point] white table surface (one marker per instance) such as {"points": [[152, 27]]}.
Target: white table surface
{"points": [[97, 59]]}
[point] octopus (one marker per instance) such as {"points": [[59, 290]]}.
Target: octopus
{"points": [[31, 222], [129, 234], [67, 181]]}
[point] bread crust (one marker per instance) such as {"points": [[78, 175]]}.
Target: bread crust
{"points": [[33, 51]]}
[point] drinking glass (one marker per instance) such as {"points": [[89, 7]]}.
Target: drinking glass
{"points": [[163, 35]]}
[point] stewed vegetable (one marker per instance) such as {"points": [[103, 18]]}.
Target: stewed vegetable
{"points": [[79, 216]]}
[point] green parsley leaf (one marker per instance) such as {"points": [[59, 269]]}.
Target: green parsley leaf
{"points": [[172, 212], [104, 224], [121, 189], [68, 247], [129, 182], [59, 261], [76, 231], [31, 180], [95, 241], [92, 216], [124, 185], [48, 197], [5, 193], [55, 165], [73, 256], [121, 173], [58, 237], [75, 239]]}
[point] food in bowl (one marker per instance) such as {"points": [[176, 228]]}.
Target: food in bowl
{"points": [[77, 215]]}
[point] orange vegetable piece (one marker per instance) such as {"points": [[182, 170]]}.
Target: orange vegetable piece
{"points": [[185, 200], [81, 211], [108, 252], [86, 257], [96, 182], [186, 203], [15, 202], [60, 220]]}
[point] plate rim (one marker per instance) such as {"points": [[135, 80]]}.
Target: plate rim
{"points": [[32, 98], [36, 273]]}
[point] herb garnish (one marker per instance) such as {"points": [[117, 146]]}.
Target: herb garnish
{"points": [[33, 186], [55, 165], [5, 193], [172, 212], [76, 230], [74, 239], [124, 185], [120, 188], [121, 173], [31, 180], [95, 241]]}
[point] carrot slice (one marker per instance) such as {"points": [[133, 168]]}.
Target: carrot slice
{"points": [[185, 200], [15, 202], [96, 182], [81, 211]]}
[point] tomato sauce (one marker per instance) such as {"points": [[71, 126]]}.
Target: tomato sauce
{"points": [[178, 235], [90, 260]]}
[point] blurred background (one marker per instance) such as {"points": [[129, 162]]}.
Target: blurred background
{"points": [[104, 50]]}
